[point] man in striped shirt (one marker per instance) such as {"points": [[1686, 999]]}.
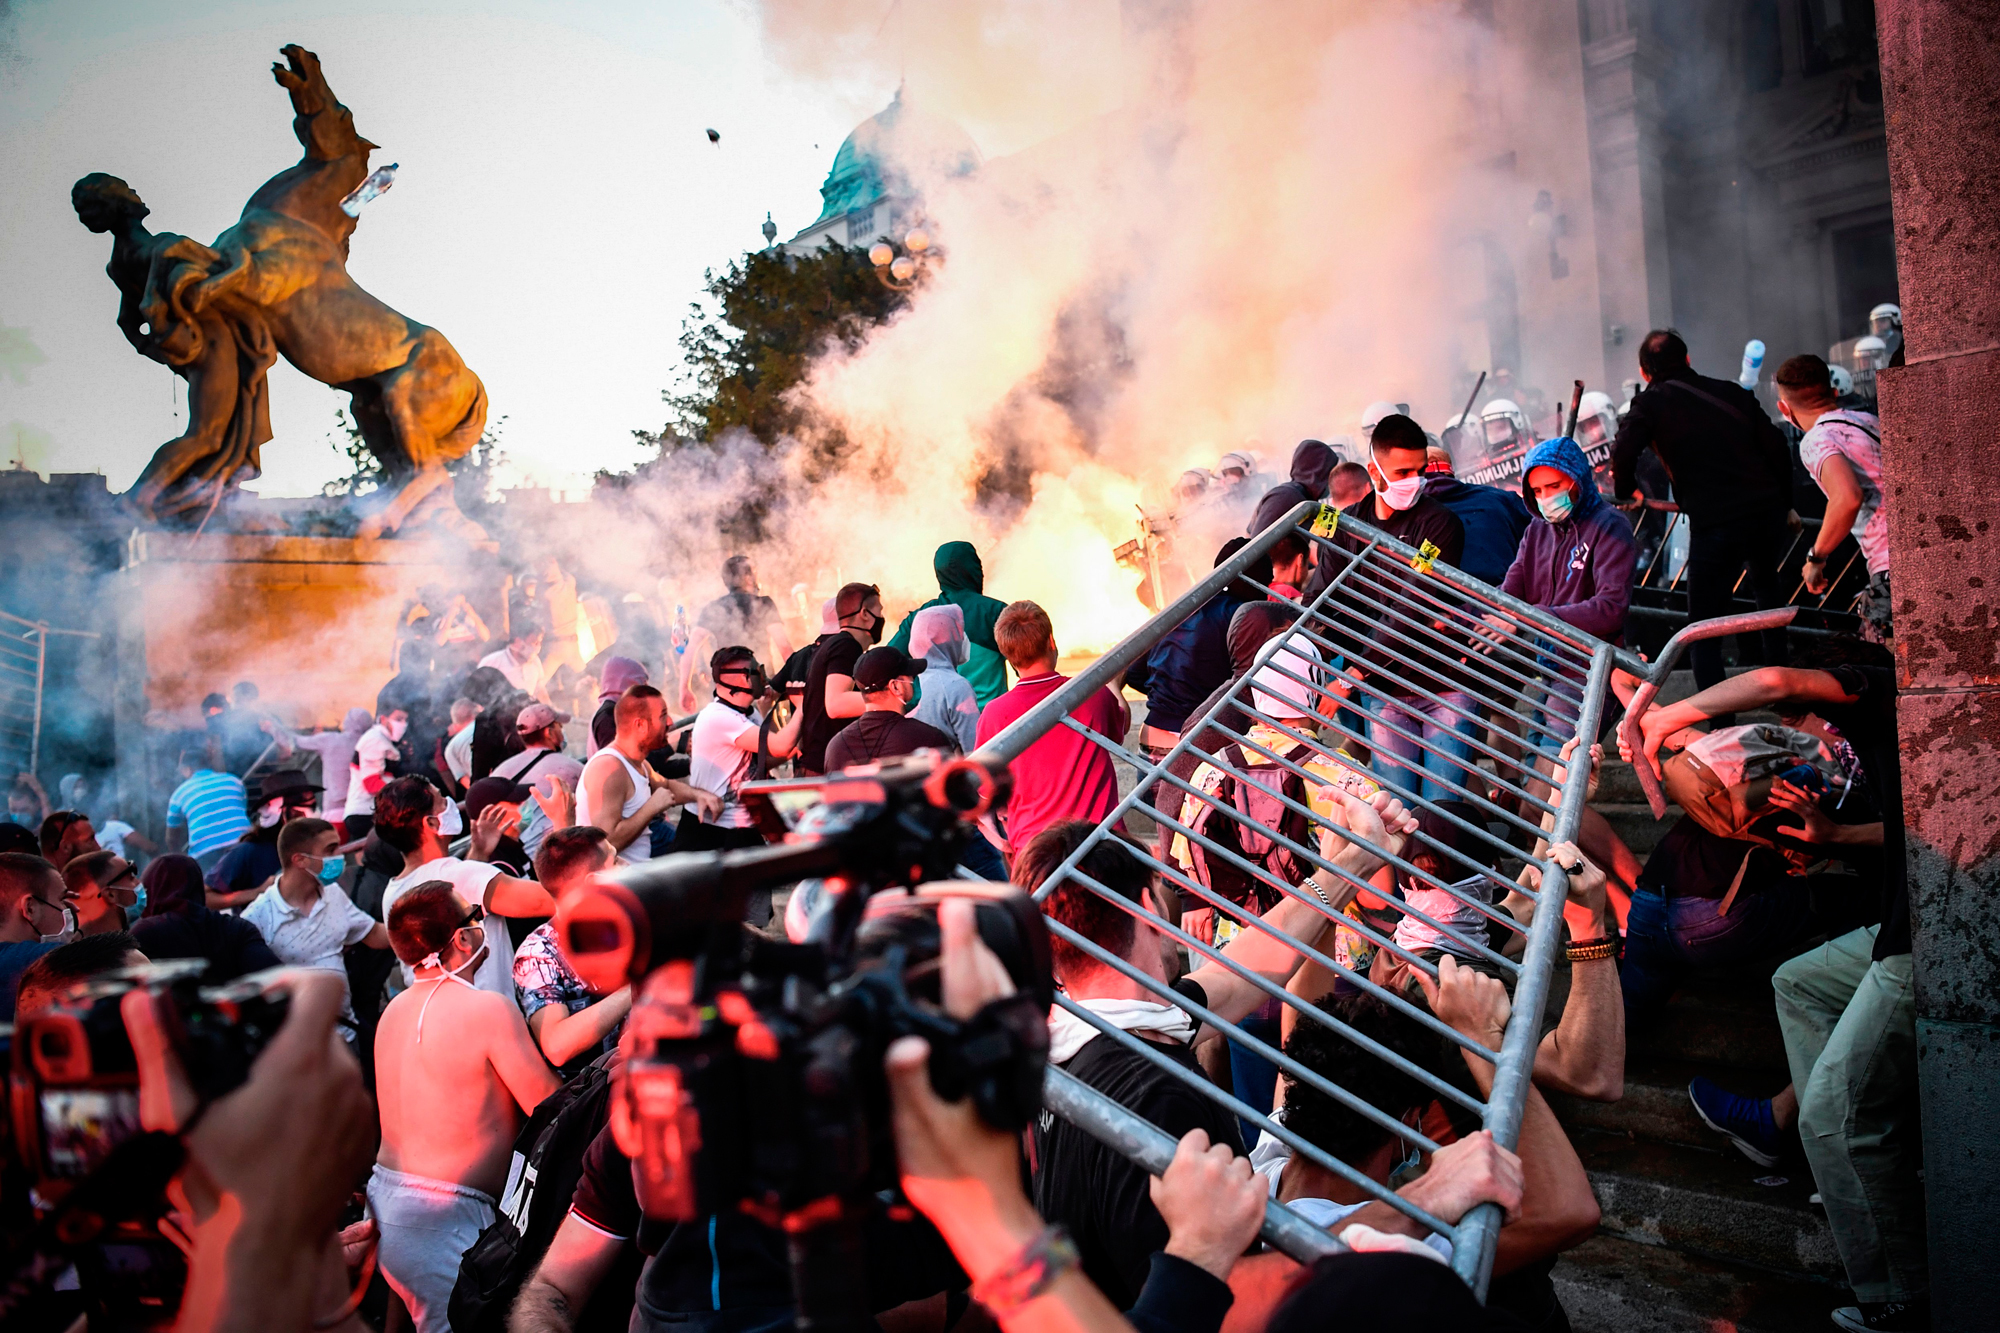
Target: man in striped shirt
{"points": [[208, 811]]}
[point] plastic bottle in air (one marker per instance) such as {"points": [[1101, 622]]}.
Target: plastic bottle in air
{"points": [[379, 180], [1753, 362]]}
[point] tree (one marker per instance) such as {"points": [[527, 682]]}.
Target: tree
{"points": [[770, 314]]}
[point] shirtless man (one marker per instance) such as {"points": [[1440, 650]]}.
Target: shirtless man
{"points": [[620, 792], [450, 1106]]}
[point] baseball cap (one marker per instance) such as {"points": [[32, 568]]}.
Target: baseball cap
{"points": [[537, 716], [493, 791], [879, 666], [284, 783]]}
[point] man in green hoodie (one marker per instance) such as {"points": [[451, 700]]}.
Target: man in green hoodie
{"points": [[961, 583]]}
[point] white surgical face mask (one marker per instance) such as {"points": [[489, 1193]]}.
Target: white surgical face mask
{"points": [[450, 822], [1400, 495], [396, 727], [272, 811]]}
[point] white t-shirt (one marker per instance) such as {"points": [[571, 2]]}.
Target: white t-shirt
{"points": [[471, 879], [458, 754], [716, 764], [1268, 1160], [521, 675], [1855, 436], [313, 938], [372, 754], [111, 836]]}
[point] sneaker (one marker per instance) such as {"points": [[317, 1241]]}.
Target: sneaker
{"points": [[1746, 1120], [1884, 1317]]}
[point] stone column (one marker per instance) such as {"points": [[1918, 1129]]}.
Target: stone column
{"points": [[1941, 75]]}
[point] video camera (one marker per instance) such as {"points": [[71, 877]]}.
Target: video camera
{"points": [[98, 1179], [753, 1076]]}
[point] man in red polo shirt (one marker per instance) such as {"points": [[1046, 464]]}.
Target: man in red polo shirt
{"points": [[1062, 775]]}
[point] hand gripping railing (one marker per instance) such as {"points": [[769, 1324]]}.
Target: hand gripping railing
{"points": [[1469, 695]]}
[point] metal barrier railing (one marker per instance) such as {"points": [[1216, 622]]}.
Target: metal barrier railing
{"points": [[1661, 571], [24, 669], [1470, 695]]}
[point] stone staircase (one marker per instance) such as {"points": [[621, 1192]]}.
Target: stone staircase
{"points": [[1694, 1235]]}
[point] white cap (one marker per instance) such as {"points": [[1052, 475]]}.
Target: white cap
{"points": [[1276, 693]]}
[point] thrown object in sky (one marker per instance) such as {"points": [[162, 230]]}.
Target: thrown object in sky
{"points": [[1753, 362], [715, 136], [378, 182]]}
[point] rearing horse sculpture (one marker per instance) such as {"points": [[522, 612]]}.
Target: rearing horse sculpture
{"points": [[276, 284]]}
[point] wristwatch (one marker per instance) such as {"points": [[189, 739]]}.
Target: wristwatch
{"points": [[1815, 558]]}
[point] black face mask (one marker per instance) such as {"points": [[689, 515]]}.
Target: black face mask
{"points": [[874, 630]]}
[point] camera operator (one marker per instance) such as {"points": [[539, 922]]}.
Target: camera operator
{"points": [[269, 1166], [1099, 1195]]}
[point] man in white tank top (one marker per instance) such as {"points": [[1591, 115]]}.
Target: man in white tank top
{"points": [[620, 793]]}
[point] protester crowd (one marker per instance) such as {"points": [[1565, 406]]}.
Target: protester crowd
{"points": [[407, 863]]}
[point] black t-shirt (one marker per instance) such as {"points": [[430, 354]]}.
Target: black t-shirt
{"points": [[1691, 862], [1365, 623], [880, 734], [245, 866], [728, 1261], [1869, 725], [1101, 1196], [740, 618], [835, 657]]}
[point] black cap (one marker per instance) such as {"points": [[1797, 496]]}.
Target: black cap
{"points": [[493, 791], [879, 666], [283, 782]]}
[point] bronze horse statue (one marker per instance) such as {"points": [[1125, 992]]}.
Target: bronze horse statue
{"points": [[276, 284]]}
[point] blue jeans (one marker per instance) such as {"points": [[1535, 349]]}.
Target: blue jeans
{"points": [[1396, 756], [1668, 938], [1251, 1077], [983, 859]]}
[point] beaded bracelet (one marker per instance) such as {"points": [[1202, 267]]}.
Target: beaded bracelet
{"points": [[1033, 1271], [1585, 951]]}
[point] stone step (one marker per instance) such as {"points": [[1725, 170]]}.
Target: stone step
{"points": [[1634, 824], [1707, 1203], [1655, 1106], [1710, 1029], [1612, 1285]]}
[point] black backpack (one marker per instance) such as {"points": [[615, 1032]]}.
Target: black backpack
{"points": [[1251, 843], [547, 1163]]}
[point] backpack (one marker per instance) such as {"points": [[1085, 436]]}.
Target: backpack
{"points": [[1724, 779], [547, 1163], [1223, 782]]}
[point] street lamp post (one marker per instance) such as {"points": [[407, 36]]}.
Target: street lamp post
{"points": [[901, 271]]}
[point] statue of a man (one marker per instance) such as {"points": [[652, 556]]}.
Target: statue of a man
{"points": [[222, 359], [276, 283]]}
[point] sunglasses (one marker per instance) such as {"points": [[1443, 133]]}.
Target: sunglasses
{"points": [[472, 917]]}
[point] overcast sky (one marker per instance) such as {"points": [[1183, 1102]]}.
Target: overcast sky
{"points": [[557, 202]]}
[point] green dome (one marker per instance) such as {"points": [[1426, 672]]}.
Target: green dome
{"points": [[882, 153]]}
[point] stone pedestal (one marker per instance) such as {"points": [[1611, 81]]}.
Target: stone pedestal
{"points": [[1941, 79], [311, 620]]}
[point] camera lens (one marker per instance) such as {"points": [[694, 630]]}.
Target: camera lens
{"points": [[592, 937]]}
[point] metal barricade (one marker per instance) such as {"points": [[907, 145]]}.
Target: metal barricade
{"points": [[1472, 694]]}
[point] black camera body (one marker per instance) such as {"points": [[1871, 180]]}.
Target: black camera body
{"points": [[753, 1072], [99, 1180]]}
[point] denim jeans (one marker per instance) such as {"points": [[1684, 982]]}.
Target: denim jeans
{"points": [[1251, 1077], [1850, 1025], [1668, 938], [1442, 727]]}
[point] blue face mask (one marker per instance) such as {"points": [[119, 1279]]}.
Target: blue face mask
{"points": [[330, 868], [1556, 508]]}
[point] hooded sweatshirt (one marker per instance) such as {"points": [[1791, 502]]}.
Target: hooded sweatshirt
{"points": [[945, 699], [1581, 568], [1312, 464], [962, 583]]}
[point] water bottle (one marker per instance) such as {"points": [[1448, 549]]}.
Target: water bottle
{"points": [[379, 180], [679, 634], [1753, 361]]}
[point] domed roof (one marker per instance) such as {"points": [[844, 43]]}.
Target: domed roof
{"points": [[885, 151]]}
